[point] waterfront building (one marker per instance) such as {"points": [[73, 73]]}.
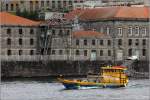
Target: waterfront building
{"points": [[63, 5], [18, 37], [125, 29], [38, 5]]}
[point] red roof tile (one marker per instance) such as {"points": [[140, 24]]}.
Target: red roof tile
{"points": [[123, 12], [9, 19], [87, 34]]}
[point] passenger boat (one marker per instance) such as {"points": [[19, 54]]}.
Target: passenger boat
{"points": [[109, 77]]}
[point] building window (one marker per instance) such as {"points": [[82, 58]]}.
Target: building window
{"points": [[8, 31], [101, 52], [93, 42], [119, 31], [6, 7], [136, 30], [31, 31], [67, 52], [130, 31], [20, 31], [48, 51], [130, 52], [109, 52], [53, 4], [85, 42], [8, 41], [144, 30], [144, 41], [53, 52], [60, 52], [144, 52], [8, 52], [85, 52], [20, 41], [107, 30], [53, 32], [137, 42], [17, 7], [77, 52], [60, 32], [108, 42], [31, 41], [130, 42], [36, 2], [12, 7], [47, 3], [31, 52], [70, 2], [120, 42], [21, 2], [42, 3], [20, 52], [101, 42], [77, 42], [59, 4]]}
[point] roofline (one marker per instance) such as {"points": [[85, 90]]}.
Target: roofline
{"points": [[116, 19], [19, 25]]}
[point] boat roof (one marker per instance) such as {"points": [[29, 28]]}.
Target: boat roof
{"points": [[115, 68]]}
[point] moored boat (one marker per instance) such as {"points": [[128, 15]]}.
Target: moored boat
{"points": [[109, 77]]}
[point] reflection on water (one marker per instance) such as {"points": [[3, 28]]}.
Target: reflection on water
{"points": [[44, 90]]}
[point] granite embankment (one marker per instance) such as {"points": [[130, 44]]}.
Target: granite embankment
{"points": [[55, 68]]}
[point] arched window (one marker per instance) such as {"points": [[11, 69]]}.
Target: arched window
{"points": [[12, 7], [6, 7]]}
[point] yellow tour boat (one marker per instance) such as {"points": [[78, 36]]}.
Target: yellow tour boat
{"points": [[109, 77]]}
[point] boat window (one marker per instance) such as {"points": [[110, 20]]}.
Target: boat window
{"points": [[112, 71]]}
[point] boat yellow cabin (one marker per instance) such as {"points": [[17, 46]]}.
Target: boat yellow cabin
{"points": [[114, 75], [108, 77]]}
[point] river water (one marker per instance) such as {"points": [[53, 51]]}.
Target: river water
{"points": [[44, 90]]}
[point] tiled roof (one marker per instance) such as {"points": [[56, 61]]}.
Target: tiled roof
{"points": [[107, 13], [82, 33], [9, 19]]}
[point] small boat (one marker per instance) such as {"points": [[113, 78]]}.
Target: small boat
{"points": [[109, 77]]}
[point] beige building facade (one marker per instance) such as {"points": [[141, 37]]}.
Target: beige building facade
{"points": [[124, 35], [38, 5], [18, 37]]}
